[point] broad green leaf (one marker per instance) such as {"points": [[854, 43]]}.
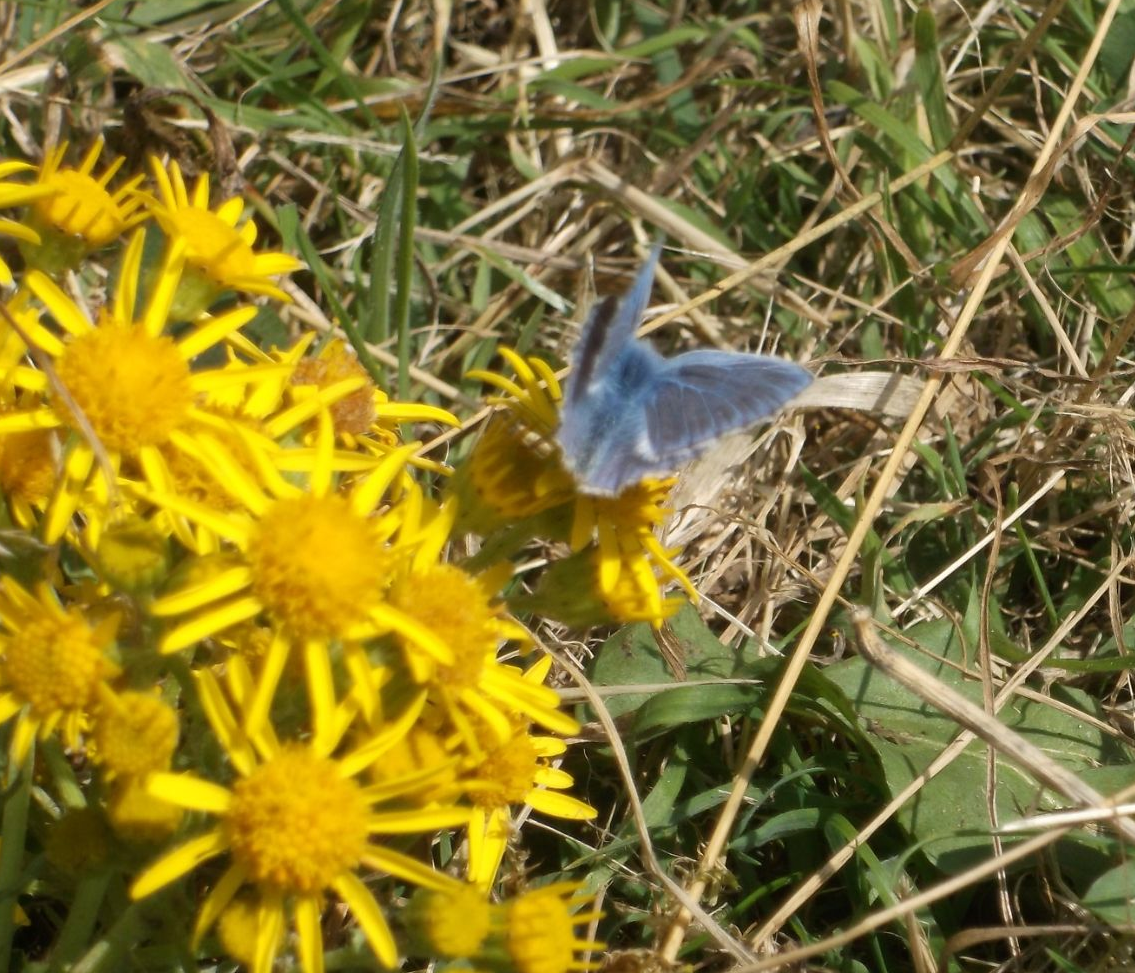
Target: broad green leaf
{"points": [[631, 657], [949, 816], [1111, 897], [152, 64]]}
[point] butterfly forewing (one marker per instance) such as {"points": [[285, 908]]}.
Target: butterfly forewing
{"points": [[703, 395], [609, 329]]}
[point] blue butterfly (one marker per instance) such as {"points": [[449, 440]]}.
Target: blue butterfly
{"points": [[629, 413]]}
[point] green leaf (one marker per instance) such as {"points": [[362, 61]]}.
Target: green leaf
{"points": [[949, 815], [631, 657], [928, 76], [152, 64], [1111, 897], [405, 258], [898, 131], [517, 275]]}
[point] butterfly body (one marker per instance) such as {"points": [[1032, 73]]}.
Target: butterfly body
{"points": [[630, 413]]}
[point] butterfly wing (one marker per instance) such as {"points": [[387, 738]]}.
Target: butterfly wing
{"points": [[608, 330], [678, 409], [601, 433], [700, 396], [609, 368]]}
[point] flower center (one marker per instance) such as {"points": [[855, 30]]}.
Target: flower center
{"points": [[55, 663], [212, 245], [82, 207], [452, 606], [454, 923], [510, 771], [134, 734], [133, 388], [353, 414], [295, 823], [316, 565]]}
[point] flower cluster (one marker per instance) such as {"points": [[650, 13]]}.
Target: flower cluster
{"points": [[228, 599]]}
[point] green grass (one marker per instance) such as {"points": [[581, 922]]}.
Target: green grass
{"points": [[454, 186]]}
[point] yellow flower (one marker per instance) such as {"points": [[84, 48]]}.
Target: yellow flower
{"points": [[535, 400], [266, 424], [368, 411], [134, 733], [77, 212], [133, 554], [507, 478], [633, 594], [219, 255], [296, 825], [629, 555], [317, 563], [124, 387], [17, 194], [27, 473], [54, 663], [366, 422], [511, 773], [452, 923], [512, 472], [540, 933], [136, 816], [461, 612]]}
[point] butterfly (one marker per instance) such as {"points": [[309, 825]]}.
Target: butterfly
{"points": [[629, 413]]}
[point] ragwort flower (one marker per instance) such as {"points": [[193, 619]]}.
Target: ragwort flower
{"points": [[367, 414], [316, 563], [501, 775], [631, 562], [365, 420], [121, 384], [78, 213], [463, 613], [53, 664], [514, 472], [540, 930], [297, 824], [134, 733], [219, 254]]}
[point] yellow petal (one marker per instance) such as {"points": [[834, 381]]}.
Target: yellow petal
{"points": [[369, 916], [179, 861], [216, 901], [189, 792], [560, 805], [310, 937]]}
